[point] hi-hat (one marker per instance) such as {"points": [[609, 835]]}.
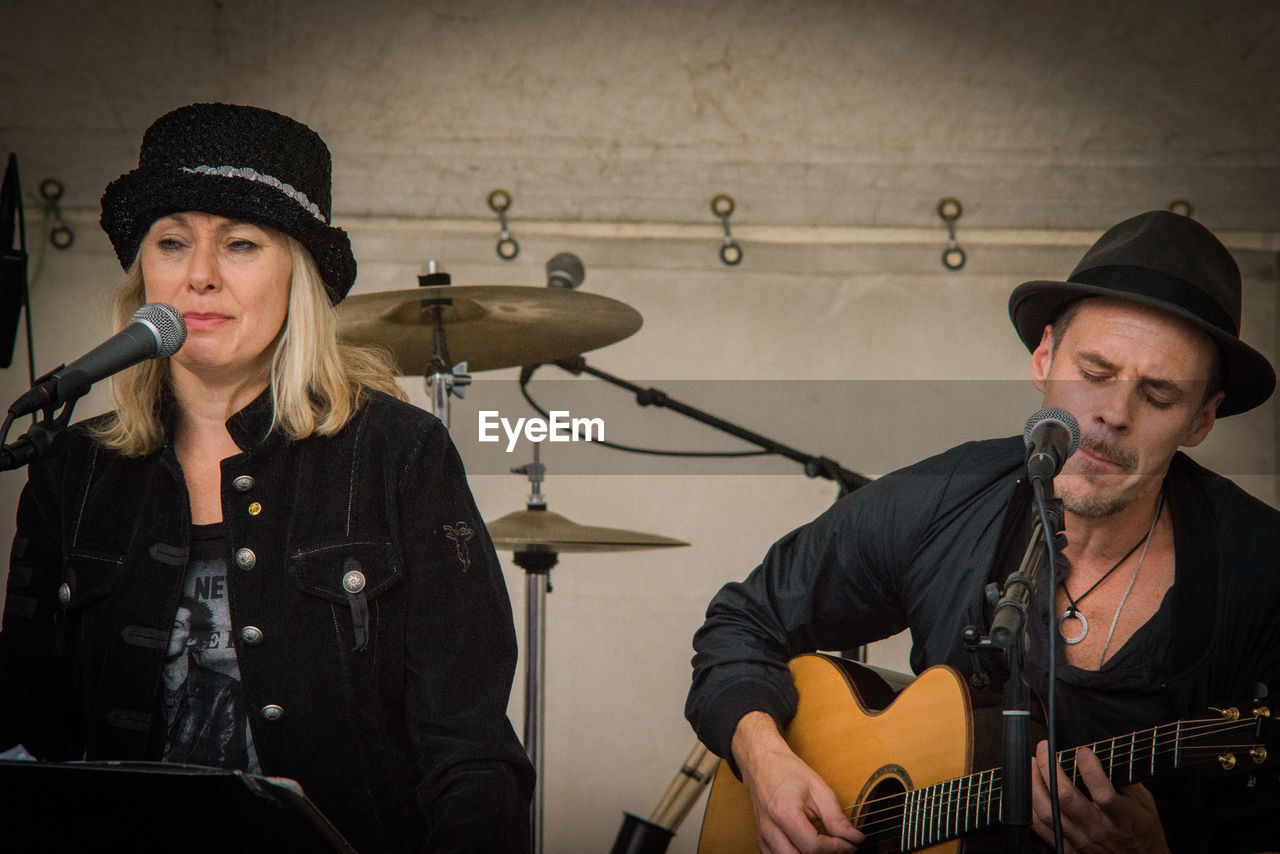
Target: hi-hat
{"points": [[544, 531], [486, 326]]}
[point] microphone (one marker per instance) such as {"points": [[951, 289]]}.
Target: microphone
{"points": [[1051, 435], [156, 331], [565, 271]]}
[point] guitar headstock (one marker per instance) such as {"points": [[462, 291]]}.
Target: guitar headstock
{"points": [[1265, 735]]}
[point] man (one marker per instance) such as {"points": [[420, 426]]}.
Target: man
{"points": [[204, 707], [1168, 603]]}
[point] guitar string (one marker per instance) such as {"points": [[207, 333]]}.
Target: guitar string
{"points": [[892, 817], [888, 807], [894, 811], [895, 808], [956, 807]]}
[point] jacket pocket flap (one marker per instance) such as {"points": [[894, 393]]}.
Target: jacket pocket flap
{"points": [[335, 570], [88, 577]]}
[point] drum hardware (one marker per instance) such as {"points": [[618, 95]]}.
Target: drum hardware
{"points": [[488, 326], [443, 378], [637, 835], [443, 331], [538, 537]]}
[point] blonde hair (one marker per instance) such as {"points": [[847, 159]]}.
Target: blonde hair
{"points": [[317, 382]]}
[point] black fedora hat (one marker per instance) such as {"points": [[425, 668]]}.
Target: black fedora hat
{"points": [[240, 162], [1167, 261]]}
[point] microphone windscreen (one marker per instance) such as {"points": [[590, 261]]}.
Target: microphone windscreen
{"points": [[1058, 415], [565, 271], [165, 320]]}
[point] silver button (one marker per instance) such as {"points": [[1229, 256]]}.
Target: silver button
{"points": [[64, 593], [353, 581], [243, 483], [252, 635], [245, 558], [272, 712]]}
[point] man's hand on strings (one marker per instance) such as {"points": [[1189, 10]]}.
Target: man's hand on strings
{"points": [[1106, 820], [795, 810]]}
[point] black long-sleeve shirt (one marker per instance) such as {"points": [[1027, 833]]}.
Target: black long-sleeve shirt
{"points": [[915, 549]]}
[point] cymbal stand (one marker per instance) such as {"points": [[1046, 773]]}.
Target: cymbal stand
{"points": [[637, 836], [443, 378], [537, 565]]}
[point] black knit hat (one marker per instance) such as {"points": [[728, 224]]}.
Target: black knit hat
{"points": [[243, 163], [1167, 261]]}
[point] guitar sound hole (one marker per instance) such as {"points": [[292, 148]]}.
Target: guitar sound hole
{"points": [[881, 817]]}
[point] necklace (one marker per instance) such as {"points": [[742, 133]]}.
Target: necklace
{"points": [[1072, 611]]}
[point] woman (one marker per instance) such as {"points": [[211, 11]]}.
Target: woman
{"points": [[271, 474]]}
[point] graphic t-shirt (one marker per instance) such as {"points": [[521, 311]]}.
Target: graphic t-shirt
{"points": [[203, 700]]}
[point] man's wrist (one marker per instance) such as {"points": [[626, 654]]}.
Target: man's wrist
{"points": [[755, 735]]}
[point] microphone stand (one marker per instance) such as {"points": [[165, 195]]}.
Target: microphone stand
{"points": [[1008, 633], [846, 480], [45, 437], [652, 836]]}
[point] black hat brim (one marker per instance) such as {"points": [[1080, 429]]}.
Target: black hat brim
{"points": [[1247, 377], [137, 199]]}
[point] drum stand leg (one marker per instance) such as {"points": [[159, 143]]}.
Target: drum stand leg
{"points": [[537, 566]]}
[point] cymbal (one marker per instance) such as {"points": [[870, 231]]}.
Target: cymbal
{"points": [[486, 326], [544, 531]]}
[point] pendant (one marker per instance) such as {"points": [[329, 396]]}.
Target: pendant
{"points": [[1072, 614]]}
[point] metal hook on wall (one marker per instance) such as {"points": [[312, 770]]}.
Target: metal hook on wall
{"points": [[730, 252], [60, 235], [508, 248], [953, 256]]}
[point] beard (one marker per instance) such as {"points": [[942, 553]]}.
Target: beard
{"points": [[1092, 493]]}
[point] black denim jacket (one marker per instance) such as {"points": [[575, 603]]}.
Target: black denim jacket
{"points": [[379, 672]]}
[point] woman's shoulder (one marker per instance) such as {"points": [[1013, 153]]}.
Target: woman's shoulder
{"points": [[389, 421], [83, 437], [378, 407]]}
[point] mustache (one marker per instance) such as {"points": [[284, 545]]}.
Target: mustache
{"points": [[1111, 452]]}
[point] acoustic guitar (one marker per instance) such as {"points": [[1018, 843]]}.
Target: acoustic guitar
{"points": [[919, 771]]}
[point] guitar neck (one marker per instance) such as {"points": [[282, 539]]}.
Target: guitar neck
{"points": [[1149, 753], [952, 808]]}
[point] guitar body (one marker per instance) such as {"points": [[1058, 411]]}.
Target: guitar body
{"points": [[847, 723], [920, 771]]}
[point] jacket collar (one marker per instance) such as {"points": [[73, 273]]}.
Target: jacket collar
{"points": [[250, 428]]}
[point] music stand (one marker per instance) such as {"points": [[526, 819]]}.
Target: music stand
{"points": [[160, 807]]}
